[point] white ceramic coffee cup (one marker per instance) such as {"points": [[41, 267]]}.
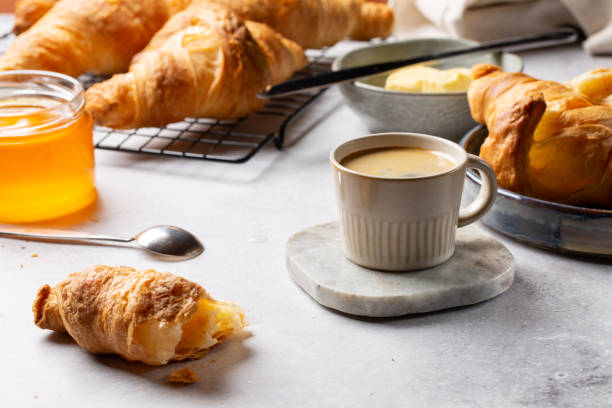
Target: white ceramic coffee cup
{"points": [[400, 223]]}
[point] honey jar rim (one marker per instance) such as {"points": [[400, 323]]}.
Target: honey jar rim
{"points": [[66, 90]]}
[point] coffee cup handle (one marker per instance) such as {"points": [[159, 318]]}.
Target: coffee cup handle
{"points": [[486, 196]]}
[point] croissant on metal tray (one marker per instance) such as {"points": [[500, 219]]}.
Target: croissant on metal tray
{"points": [[547, 140], [310, 23], [204, 62], [145, 316]]}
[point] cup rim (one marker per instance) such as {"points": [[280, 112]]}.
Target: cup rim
{"points": [[336, 164]]}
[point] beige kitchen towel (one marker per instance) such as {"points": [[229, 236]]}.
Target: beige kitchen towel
{"points": [[485, 20]]}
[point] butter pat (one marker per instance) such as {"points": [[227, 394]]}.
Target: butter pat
{"points": [[419, 78]]}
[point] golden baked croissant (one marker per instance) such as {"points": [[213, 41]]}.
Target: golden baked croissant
{"points": [[78, 36], [373, 20], [361, 20], [596, 84], [203, 63], [303, 21], [101, 36], [317, 23], [546, 140], [145, 316], [27, 12]]}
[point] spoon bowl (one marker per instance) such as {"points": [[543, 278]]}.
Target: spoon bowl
{"points": [[170, 241]]}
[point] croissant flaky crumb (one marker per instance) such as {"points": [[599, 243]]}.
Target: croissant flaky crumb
{"points": [[147, 316], [183, 376]]}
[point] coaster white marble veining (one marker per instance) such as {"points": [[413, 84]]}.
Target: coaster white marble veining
{"points": [[480, 269]]}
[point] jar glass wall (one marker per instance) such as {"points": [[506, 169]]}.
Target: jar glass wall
{"points": [[46, 147]]}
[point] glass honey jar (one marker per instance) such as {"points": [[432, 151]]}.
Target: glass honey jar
{"points": [[46, 147]]}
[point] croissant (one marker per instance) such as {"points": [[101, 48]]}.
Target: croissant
{"points": [[203, 63], [100, 36], [317, 23], [546, 140], [27, 12], [595, 84], [373, 20], [145, 316]]}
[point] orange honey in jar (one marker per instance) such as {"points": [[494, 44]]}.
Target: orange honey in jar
{"points": [[46, 147]]}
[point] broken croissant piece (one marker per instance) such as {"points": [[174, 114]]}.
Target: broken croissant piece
{"points": [[145, 316]]}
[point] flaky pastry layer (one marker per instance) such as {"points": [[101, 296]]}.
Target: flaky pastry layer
{"points": [[145, 316]]}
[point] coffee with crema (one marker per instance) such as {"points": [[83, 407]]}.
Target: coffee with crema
{"points": [[398, 161]]}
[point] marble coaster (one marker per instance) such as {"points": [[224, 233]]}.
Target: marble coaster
{"points": [[480, 269]]}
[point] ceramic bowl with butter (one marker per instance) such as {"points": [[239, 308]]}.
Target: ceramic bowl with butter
{"points": [[444, 114]]}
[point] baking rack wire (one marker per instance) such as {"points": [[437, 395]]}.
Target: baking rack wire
{"points": [[233, 141]]}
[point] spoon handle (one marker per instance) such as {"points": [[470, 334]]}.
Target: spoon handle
{"points": [[566, 35], [58, 235]]}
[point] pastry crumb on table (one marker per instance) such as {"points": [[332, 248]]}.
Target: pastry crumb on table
{"points": [[183, 376]]}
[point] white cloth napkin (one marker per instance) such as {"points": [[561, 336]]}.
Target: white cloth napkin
{"points": [[485, 20]]}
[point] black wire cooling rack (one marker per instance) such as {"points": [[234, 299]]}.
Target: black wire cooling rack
{"points": [[234, 141]]}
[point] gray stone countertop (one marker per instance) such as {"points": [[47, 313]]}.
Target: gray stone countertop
{"points": [[546, 342]]}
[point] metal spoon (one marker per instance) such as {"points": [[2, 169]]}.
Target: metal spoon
{"points": [[165, 240]]}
